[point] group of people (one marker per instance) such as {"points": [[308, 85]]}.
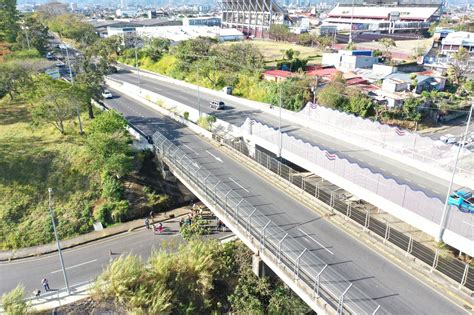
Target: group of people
{"points": [[157, 229], [45, 284]]}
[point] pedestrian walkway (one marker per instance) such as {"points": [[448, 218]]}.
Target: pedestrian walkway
{"points": [[33, 251]]}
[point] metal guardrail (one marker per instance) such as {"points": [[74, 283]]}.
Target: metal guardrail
{"points": [[321, 278], [455, 269]]}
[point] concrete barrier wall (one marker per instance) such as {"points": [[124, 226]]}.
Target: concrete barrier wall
{"points": [[441, 168]]}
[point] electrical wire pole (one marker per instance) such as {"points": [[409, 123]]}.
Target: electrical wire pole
{"points": [[50, 190], [444, 216]]}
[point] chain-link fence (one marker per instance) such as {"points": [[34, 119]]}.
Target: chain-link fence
{"points": [[320, 278], [457, 270], [400, 194]]}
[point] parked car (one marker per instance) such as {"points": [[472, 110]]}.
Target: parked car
{"points": [[448, 139], [217, 105], [107, 94]]}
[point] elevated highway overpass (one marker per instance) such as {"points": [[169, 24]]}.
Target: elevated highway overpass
{"points": [[311, 242]]}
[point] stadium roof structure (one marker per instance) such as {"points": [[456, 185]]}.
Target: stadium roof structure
{"points": [[383, 13], [256, 5]]}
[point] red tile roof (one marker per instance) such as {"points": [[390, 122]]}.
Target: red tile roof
{"points": [[322, 72], [354, 81], [278, 73]]}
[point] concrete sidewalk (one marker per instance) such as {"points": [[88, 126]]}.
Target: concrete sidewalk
{"points": [[26, 252]]}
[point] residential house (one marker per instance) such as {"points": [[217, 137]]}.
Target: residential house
{"points": [[276, 75]]}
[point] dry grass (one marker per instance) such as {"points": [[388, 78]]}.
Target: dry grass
{"points": [[272, 50]]}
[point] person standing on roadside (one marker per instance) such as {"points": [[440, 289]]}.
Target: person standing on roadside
{"points": [[45, 284], [147, 223]]}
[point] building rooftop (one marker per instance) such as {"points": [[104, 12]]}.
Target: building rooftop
{"points": [[278, 73], [459, 38], [322, 72], [383, 12]]}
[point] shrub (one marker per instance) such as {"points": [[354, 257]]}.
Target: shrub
{"points": [[186, 115], [111, 187], [14, 302]]}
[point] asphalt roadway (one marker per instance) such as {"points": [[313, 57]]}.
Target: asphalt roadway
{"points": [[236, 114], [84, 263], [394, 289]]}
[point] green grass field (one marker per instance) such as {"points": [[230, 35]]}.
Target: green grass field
{"points": [[31, 160]]}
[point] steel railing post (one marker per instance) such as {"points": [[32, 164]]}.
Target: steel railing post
{"points": [[249, 221], [340, 306], [318, 280], [279, 247], [297, 264], [237, 209], [262, 239], [225, 197]]}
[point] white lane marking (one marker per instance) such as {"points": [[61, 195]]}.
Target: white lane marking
{"points": [[192, 150], [217, 158], [238, 184], [307, 235], [465, 222], [383, 169], [422, 186], [78, 265]]}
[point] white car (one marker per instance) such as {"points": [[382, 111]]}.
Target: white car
{"points": [[107, 95], [448, 139]]}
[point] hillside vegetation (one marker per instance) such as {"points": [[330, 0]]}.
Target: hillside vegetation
{"points": [[31, 160]]}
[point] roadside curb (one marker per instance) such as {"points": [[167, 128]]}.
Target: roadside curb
{"points": [[34, 251]]}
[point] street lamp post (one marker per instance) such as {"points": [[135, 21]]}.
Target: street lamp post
{"points": [[352, 19], [72, 82], [280, 140], [50, 190], [442, 225], [138, 68]]}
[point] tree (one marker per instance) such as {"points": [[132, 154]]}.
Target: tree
{"points": [[13, 76], [52, 102], [332, 95], [325, 42], [306, 39], [351, 46], [189, 51], [360, 104], [8, 21], [458, 66], [108, 143], [279, 32], [14, 302], [387, 43], [32, 34], [294, 93], [410, 108], [156, 47]]}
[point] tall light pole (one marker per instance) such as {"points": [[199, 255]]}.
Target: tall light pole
{"points": [[444, 216], [50, 190], [280, 140], [136, 66], [352, 19], [72, 82]]}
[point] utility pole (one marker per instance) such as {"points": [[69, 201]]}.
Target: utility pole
{"points": [[444, 216], [27, 37], [72, 82], [50, 190], [352, 19]]}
